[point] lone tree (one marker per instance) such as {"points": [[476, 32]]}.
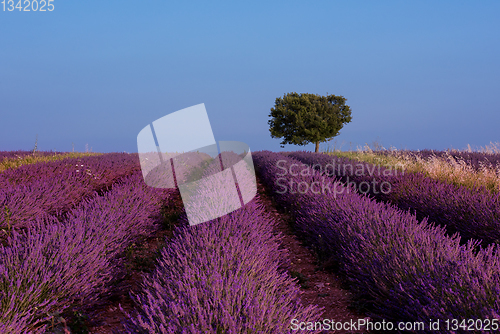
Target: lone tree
{"points": [[301, 119]]}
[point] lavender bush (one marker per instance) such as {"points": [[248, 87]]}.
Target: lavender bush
{"points": [[54, 264], [183, 166], [474, 214], [52, 188], [103, 168]]}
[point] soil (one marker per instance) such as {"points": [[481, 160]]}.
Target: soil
{"points": [[318, 286]]}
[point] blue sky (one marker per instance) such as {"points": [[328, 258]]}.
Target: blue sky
{"points": [[416, 74]]}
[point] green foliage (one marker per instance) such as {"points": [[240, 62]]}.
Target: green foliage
{"points": [[35, 158], [301, 119]]}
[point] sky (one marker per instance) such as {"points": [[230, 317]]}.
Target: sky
{"points": [[92, 74]]}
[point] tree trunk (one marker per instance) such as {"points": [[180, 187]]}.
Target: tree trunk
{"points": [[317, 147]]}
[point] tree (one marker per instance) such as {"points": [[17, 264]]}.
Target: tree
{"points": [[301, 119]]}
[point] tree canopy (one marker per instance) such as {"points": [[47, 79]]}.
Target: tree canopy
{"points": [[306, 118]]}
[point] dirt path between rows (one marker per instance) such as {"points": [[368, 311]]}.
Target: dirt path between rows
{"points": [[318, 286]]}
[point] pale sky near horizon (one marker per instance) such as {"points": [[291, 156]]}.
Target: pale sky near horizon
{"points": [[416, 74]]}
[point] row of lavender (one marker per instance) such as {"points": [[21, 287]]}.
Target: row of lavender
{"points": [[222, 276], [477, 160], [56, 264], [52, 188], [405, 270], [474, 214]]}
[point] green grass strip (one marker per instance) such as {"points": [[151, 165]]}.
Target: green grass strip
{"points": [[32, 159]]}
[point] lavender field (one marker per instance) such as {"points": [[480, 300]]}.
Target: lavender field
{"points": [[88, 247]]}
